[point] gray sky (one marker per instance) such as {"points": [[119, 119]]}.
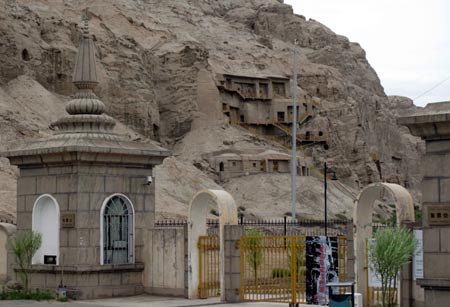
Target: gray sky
{"points": [[407, 41]]}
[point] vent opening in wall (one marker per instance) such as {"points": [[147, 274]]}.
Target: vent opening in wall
{"points": [[49, 259]]}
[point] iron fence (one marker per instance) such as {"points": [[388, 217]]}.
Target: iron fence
{"points": [[272, 227]]}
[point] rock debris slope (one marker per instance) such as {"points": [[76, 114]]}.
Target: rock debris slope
{"points": [[157, 59]]}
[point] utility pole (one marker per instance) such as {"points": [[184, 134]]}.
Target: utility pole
{"points": [[326, 171], [294, 137]]}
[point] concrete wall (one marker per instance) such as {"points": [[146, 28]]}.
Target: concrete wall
{"points": [[283, 166], [230, 99], [92, 282], [166, 262], [256, 112], [232, 235], [245, 165], [7, 232], [3, 255]]}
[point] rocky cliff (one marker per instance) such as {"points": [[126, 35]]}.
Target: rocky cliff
{"points": [[158, 60]]}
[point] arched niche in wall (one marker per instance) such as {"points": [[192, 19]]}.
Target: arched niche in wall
{"points": [[117, 220], [45, 221]]}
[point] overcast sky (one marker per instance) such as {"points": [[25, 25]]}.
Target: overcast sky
{"points": [[407, 41]]}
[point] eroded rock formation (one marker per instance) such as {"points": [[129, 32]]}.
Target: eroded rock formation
{"points": [[158, 62]]}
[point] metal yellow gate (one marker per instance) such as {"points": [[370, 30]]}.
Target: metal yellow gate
{"points": [[273, 268], [209, 266], [342, 258]]}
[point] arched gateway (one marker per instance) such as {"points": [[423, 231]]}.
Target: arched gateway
{"points": [[201, 204], [363, 221]]}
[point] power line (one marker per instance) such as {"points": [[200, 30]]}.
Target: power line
{"points": [[437, 85]]}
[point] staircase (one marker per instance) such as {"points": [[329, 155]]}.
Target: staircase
{"points": [[301, 138], [304, 117]]}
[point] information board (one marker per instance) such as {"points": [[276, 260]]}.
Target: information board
{"points": [[418, 256]]}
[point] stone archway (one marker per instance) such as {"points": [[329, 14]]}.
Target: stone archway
{"points": [[363, 221], [199, 207]]}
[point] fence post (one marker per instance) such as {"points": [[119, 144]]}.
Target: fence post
{"points": [[350, 251], [285, 225], [232, 235]]}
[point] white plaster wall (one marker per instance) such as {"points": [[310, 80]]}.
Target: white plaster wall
{"points": [[46, 222]]}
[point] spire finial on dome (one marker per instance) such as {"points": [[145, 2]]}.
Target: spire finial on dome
{"points": [[86, 111], [85, 73], [85, 24]]}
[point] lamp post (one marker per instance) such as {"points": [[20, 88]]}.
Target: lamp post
{"points": [[294, 137], [327, 171]]}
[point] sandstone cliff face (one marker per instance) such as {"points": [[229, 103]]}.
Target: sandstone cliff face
{"points": [[157, 57]]}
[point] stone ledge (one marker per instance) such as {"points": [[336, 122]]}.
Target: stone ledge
{"points": [[173, 292], [428, 126], [119, 268], [68, 156], [438, 284]]}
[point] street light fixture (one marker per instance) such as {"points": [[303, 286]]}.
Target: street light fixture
{"points": [[327, 171]]}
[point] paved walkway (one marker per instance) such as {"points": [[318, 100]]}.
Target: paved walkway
{"points": [[137, 301]]}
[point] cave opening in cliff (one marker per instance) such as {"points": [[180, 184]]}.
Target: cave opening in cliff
{"points": [[26, 55]]}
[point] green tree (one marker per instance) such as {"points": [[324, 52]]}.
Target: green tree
{"points": [[393, 248], [24, 246], [253, 244]]}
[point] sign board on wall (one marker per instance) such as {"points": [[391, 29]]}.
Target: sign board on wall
{"points": [[68, 220], [418, 256]]}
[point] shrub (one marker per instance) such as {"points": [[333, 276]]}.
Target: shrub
{"points": [[24, 246], [281, 272], [254, 247], [62, 299], [393, 248], [37, 295]]}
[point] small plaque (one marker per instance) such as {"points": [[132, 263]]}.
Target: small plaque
{"points": [[68, 220], [438, 215]]}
